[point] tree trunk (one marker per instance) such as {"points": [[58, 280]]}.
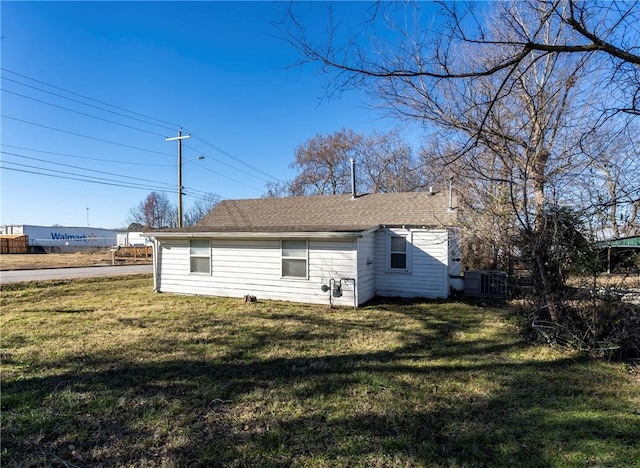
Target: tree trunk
{"points": [[545, 285]]}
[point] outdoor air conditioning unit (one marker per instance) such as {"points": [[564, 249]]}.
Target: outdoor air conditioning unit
{"points": [[485, 283]]}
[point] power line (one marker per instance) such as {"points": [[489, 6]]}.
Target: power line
{"points": [[86, 157], [201, 194], [81, 177], [228, 178], [98, 180], [225, 164], [82, 113], [85, 169], [203, 140], [149, 118], [88, 98], [84, 136], [229, 155], [87, 104]]}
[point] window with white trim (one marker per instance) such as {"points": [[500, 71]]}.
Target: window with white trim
{"points": [[200, 256], [294, 258], [397, 253]]}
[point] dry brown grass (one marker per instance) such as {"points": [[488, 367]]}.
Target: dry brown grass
{"points": [[60, 260], [603, 280]]}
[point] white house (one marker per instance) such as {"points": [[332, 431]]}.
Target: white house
{"points": [[334, 249]]}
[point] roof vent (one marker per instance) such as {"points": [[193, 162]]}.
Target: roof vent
{"points": [[353, 179]]}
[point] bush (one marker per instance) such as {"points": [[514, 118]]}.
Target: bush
{"points": [[601, 326]]}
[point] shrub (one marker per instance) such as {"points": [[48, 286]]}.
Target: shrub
{"points": [[601, 326]]}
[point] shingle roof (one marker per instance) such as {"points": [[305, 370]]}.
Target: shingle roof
{"points": [[329, 213]]}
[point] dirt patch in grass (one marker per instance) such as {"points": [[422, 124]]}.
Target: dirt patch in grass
{"points": [[106, 372], [62, 260]]}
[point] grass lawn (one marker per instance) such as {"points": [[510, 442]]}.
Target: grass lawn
{"points": [[106, 372], [62, 260]]}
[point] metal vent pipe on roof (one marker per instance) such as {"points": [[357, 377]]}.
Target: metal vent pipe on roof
{"points": [[353, 179]]}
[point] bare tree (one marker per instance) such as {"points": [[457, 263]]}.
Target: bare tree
{"points": [[154, 212], [608, 30], [611, 182], [504, 83], [385, 163], [200, 208], [279, 189], [416, 67], [323, 162], [522, 143]]}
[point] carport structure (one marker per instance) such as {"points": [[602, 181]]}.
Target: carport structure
{"points": [[620, 245]]}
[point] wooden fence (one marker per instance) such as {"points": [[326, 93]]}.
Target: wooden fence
{"points": [[14, 243], [132, 252]]}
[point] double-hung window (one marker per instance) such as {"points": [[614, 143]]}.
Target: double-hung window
{"points": [[294, 258], [398, 253], [200, 256]]}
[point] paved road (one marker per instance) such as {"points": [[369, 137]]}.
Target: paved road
{"points": [[15, 276]]}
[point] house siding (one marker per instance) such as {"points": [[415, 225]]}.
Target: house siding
{"points": [[428, 274], [242, 266], [365, 277]]}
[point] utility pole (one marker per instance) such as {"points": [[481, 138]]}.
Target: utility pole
{"points": [[180, 137]]}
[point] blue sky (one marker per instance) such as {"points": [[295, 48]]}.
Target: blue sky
{"points": [[217, 69]]}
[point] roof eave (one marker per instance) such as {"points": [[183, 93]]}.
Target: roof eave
{"points": [[259, 235]]}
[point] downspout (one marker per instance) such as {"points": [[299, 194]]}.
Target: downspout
{"points": [[156, 266], [356, 293]]}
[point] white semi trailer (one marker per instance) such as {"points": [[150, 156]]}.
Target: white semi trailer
{"points": [[62, 238]]}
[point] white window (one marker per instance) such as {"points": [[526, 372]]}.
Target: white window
{"points": [[294, 258], [200, 256], [398, 249]]}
